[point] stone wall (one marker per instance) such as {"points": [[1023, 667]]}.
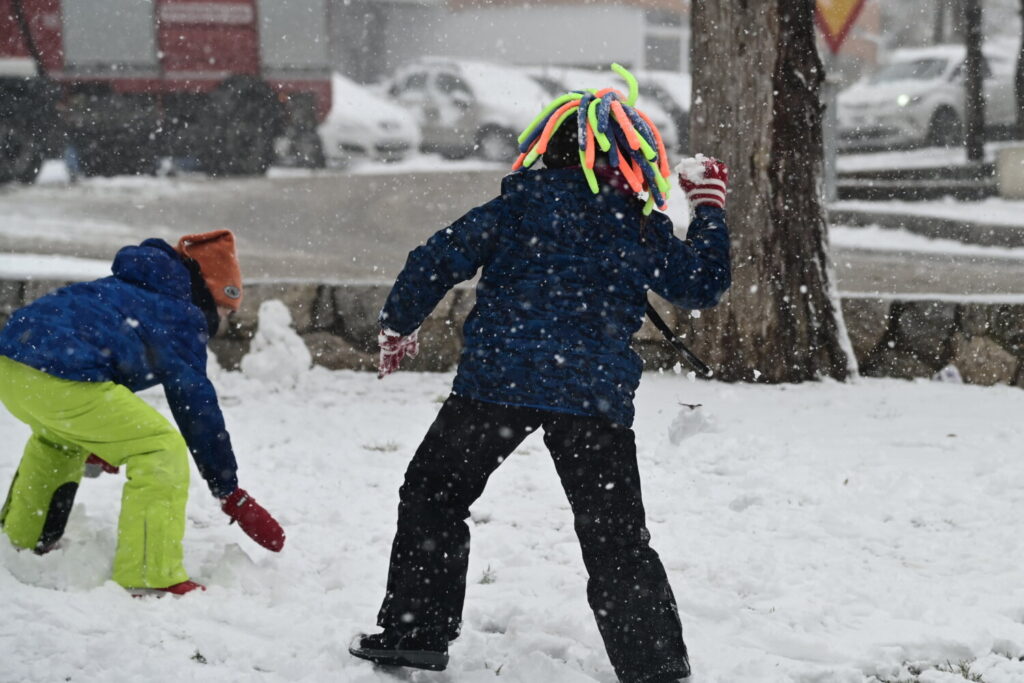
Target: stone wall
{"points": [[891, 337], [916, 338]]}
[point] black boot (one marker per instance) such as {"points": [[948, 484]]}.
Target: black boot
{"points": [[417, 648], [681, 673]]}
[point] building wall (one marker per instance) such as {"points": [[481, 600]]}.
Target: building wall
{"points": [[673, 5], [553, 34], [370, 38]]}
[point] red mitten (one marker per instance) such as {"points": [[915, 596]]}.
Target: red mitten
{"points": [[393, 348], [94, 459], [704, 180], [254, 520]]}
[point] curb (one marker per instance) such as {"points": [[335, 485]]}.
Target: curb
{"points": [[983, 234]]}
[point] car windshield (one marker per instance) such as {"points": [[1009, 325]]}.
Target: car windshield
{"points": [[913, 70]]}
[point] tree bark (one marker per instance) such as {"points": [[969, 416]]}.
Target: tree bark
{"points": [[939, 27], [973, 76], [1019, 79], [757, 105]]}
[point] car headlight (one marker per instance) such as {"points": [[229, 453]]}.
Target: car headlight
{"points": [[907, 100]]}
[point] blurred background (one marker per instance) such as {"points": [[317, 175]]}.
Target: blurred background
{"points": [[233, 87], [333, 136]]}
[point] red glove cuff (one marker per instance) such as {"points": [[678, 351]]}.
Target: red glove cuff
{"points": [[94, 459], [393, 348]]}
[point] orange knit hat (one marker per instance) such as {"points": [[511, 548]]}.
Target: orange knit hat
{"points": [[218, 262]]}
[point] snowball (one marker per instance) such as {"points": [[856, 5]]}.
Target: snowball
{"points": [[692, 168], [278, 357]]}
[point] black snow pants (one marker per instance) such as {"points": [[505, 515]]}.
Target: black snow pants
{"points": [[596, 462]]}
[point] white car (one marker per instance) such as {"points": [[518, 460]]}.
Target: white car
{"points": [[363, 124], [917, 97], [559, 80], [672, 91], [466, 107]]}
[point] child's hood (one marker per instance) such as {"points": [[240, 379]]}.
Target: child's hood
{"points": [[153, 265]]}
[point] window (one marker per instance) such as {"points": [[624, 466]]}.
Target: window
{"points": [[663, 17], [664, 53], [414, 81], [450, 84]]}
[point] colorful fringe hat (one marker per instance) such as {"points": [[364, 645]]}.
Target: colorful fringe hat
{"points": [[607, 119]]}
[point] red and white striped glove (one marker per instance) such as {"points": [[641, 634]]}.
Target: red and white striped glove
{"points": [[704, 180], [393, 348]]}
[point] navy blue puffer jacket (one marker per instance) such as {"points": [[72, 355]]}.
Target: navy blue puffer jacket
{"points": [[138, 328], [563, 290]]}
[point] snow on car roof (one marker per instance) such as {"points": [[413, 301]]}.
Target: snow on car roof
{"points": [[348, 96], [676, 83], [907, 54], [994, 50], [492, 82]]}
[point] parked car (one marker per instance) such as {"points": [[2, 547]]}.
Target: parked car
{"points": [[917, 97], [558, 80], [364, 124], [672, 91], [467, 107]]}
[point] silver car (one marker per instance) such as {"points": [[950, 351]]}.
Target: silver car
{"points": [[917, 97], [467, 107]]}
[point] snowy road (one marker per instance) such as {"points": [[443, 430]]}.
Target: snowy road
{"points": [[816, 533], [334, 226]]}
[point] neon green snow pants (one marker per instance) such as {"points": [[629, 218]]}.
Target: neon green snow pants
{"points": [[69, 420]]}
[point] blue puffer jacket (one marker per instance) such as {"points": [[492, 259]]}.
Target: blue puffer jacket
{"points": [[563, 290], [137, 328]]}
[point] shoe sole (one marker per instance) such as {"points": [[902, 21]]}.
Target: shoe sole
{"points": [[414, 659], [157, 593]]}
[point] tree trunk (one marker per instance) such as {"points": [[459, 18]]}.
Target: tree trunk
{"points": [[974, 112], [956, 24], [1019, 79], [939, 27], [757, 80]]}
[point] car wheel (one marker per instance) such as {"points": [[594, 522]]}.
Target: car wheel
{"points": [[945, 129], [497, 144], [308, 150], [21, 154]]}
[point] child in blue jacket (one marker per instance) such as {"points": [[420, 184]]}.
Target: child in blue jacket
{"points": [[70, 363], [567, 255]]}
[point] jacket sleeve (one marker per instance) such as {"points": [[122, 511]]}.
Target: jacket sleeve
{"points": [[694, 273], [450, 256], [193, 402]]}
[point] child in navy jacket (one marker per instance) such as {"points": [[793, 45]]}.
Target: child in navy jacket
{"points": [[70, 363], [563, 288]]}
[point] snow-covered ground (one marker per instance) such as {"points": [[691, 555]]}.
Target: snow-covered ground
{"points": [[990, 211], [927, 157], [876, 238], [818, 533], [51, 267]]}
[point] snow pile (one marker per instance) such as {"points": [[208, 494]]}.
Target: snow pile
{"points": [[820, 533], [689, 421], [278, 357], [950, 373]]}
